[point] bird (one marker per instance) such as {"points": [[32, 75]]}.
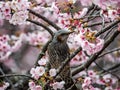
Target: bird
{"points": [[58, 51]]}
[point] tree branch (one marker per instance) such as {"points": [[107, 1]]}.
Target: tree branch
{"points": [[45, 19], [113, 50], [111, 68], [42, 53], [12, 75], [107, 28], [94, 24], [106, 70], [95, 56], [42, 25]]}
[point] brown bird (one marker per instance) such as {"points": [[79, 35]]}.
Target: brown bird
{"points": [[58, 51]]}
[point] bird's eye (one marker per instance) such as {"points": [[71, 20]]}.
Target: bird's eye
{"points": [[62, 34]]}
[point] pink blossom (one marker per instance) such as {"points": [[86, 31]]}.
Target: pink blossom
{"points": [[37, 38], [88, 80], [58, 85], [33, 86], [37, 72], [111, 14], [52, 72], [19, 17], [5, 48], [4, 86], [109, 88], [42, 61], [91, 73], [86, 2], [40, 1], [86, 42], [20, 5], [80, 58]]}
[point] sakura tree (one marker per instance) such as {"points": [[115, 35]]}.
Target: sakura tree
{"points": [[28, 26]]}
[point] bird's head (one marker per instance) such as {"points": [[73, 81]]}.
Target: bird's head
{"points": [[62, 35]]}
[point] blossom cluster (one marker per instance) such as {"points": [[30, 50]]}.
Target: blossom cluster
{"points": [[40, 73], [5, 11], [33, 86], [79, 59], [14, 11], [90, 79], [4, 85], [37, 38], [4, 47], [109, 8], [10, 44], [89, 42]]}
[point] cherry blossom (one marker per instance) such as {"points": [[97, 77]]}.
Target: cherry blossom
{"points": [[33, 86], [79, 59], [52, 72], [37, 72], [58, 85], [4, 85], [5, 48], [19, 17], [42, 61], [90, 43], [108, 88], [37, 38], [86, 2]]}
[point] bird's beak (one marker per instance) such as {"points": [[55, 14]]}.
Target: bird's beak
{"points": [[69, 32]]}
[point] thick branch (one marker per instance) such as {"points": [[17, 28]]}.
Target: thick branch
{"points": [[45, 19], [95, 56], [42, 25]]}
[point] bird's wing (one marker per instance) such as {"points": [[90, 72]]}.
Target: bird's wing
{"points": [[57, 53]]}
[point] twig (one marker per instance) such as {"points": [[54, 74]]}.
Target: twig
{"points": [[12, 75], [109, 31], [42, 25], [94, 24], [116, 49], [92, 11], [103, 21], [111, 68], [106, 70], [6, 77], [92, 16], [95, 56], [45, 19], [107, 28]]}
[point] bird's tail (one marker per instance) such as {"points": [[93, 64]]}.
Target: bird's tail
{"points": [[67, 77], [70, 84]]}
